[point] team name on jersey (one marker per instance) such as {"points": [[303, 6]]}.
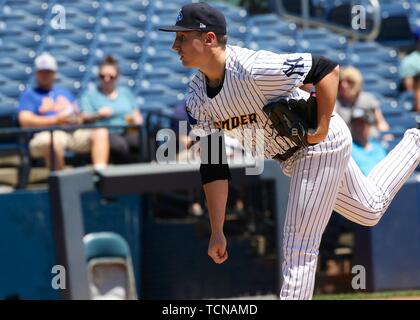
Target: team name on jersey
{"points": [[234, 122]]}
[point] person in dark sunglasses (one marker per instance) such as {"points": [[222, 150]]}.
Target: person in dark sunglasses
{"points": [[111, 104]]}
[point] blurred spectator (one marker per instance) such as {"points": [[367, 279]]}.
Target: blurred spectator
{"points": [[410, 65], [110, 104], [416, 93], [48, 105], [351, 96], [366, 151]]}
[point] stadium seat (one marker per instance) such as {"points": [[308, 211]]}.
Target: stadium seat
{"points": [[83, 24], [30, 23], [395, 27], [261, 34], [39, 8], [138, 21], [115, 10], [281, 45], [295, 7], [15, 15], [263, 20], [126, 50], [140, 6], [129, 69], [237, 30], [406, 100], [158, 93], [66, 48], [74, 85], [172, 63], [86, 7], [405, 120], [73, 70], [390, 108], [11, 144], [161, 39], [385, 88], [313, 34], [236, 16], [338, 57], [8, 102], [111, 25], [165, 76], [280, 30], [73, 34], [126, 81], [174, 81], [375, 50], [20, 37], [156, 21], [17, 72], [388, 72], [136, 38], [166, 8], [335, 42], [110, 267]]}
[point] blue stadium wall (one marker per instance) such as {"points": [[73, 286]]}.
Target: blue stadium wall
{"points": [[170, 260], [27, 247]]}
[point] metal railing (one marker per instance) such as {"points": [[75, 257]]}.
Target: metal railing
{"points": [[23, 134], [307, 21]]}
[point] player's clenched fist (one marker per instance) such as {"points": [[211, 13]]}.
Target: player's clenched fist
{"points": [[217, 247]]}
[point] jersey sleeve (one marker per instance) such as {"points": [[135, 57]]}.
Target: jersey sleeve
{"points": [[279, 74]]}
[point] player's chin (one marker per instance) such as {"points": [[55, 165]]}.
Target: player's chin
{"points": [[187, 64]]}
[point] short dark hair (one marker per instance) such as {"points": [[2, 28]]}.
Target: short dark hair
{"points": [[222, 39], [109, 61]]}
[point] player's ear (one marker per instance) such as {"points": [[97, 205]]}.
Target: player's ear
{"points": [[210, 38]]}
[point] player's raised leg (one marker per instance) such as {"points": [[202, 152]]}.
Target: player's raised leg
{"points": [[364, 200]]}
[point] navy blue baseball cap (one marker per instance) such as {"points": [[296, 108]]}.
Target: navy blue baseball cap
{"points": [[198, 17]]}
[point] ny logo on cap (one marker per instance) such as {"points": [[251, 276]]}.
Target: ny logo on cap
{"points": [[202, 25], [180, 16]]}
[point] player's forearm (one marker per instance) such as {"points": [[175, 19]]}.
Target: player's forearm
{"points": [[326, 92], [27, 120], [216, 194]]}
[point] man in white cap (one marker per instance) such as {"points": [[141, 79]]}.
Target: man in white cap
{"points": [[47, 105]]}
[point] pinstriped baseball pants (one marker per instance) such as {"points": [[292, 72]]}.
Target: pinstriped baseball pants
{"points": [[325, 178]]}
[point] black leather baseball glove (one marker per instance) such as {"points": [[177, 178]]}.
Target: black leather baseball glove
{"points": [[293, 118]]}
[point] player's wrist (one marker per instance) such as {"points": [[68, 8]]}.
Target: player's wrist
{"points": [[217, 230], [315, 137]]}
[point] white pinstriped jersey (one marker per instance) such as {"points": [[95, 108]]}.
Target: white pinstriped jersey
{"points": [[252, 79]]}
